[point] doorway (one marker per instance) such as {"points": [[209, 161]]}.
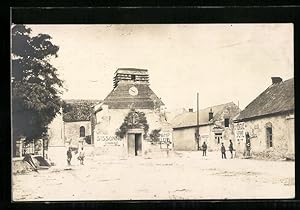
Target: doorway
{"points": [[218, 138], [134, 144]]}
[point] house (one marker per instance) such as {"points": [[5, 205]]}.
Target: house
{"points": [[268, 121], [123, 123], [215, 127]]}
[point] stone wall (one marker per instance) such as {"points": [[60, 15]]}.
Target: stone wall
{"points": [[282, 135], [20, 167], [291, 134], [109, 120], [72, 131], [184, 138]]}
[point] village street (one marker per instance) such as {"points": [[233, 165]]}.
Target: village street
{"points": [[186, 175]]}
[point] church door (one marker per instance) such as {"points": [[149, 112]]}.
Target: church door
{"points": [[134, 144]]}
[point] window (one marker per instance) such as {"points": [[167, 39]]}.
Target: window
{"points": [[269, 137], [133, 77], [82, 131], [226, 122]]}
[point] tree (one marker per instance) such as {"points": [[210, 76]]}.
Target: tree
{"points": [[155, 136], [134, 119], [36, 87]]}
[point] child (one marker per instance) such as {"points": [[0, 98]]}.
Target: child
{"points": [[69, 156], [81, 156]]}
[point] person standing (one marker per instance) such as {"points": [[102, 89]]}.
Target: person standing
{"points": [[69, 156], [204, 148], [81, 156], [223, 151], [248, 145], [231, 148]]}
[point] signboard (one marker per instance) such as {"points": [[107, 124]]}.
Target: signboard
{"points": [[217, 129], [204, 137], [166, 139], [239, 131], [107, 140]]}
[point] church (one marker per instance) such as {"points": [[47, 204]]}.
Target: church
{"points": [[131, 120]]}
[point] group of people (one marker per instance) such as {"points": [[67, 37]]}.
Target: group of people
{"points": [[223, 150], [80, 156]]}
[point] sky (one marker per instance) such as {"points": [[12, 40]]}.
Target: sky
{"points": [[222, 62]]}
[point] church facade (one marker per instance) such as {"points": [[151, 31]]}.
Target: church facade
{"points": [[131, 120]]}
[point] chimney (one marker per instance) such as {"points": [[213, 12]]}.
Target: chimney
{"points": [[210, 115], [190, 109], [276, 80]]}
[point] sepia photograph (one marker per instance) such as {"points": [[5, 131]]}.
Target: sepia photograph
{"points": [[108, 112]]}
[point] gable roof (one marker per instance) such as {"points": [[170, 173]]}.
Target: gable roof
{"points": [[78, 110], [278, 97], [188, 119], [119, 97]]}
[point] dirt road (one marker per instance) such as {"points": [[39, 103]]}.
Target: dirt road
{"points": [[184, 176]]}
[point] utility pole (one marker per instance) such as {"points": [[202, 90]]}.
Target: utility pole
{"points": [[197, 131]]}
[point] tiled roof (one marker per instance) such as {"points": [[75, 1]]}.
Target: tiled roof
{"points": [[132, 71], [119, 97], [190, 118], [275, 99], [78, 110]]}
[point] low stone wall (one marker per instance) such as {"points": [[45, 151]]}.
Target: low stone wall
{"points": [[267, 154], [20, 167], [272, 155]]}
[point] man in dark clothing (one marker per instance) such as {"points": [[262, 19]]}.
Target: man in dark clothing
{"points": [[69, 156], [223, 151], [204, 148], [248, 144], [231, 148]]}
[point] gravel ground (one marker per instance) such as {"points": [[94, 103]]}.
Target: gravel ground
{"points": [[186, 175]]}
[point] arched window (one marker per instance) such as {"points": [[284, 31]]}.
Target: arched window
{"points": [[82, 131], [269, 134]]}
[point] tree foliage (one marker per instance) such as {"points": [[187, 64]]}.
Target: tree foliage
{"points": [[155, 135], [134, 119], [36, 87], [77, 111]]}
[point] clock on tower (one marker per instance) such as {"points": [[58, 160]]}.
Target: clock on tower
{"points": [[133, 91]]}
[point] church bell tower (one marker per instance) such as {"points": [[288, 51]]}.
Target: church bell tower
{"points": [[131, 90]]}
